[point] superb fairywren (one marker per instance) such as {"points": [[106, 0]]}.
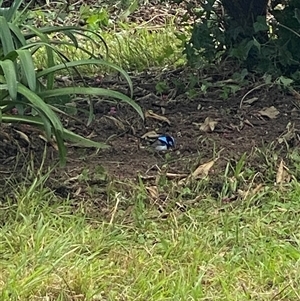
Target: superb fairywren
{"points": [[164, 142]]}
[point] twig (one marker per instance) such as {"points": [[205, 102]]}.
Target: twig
{"points": [[280, 292], [255, 88]]}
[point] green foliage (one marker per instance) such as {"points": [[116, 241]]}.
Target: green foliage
{"points": [[267, 46], [32, 92]]}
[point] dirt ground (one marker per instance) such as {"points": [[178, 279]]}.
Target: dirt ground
{"points": [[237, 124], [198, 108]]}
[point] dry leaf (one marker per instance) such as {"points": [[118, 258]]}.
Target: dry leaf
{"points": [[23, 136], [202, 170], [250, 192], [150, 135], [289, 134], [207, 126], [151, 114], [52, 141], [282, 175], [270, 112]]}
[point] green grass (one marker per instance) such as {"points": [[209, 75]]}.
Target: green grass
{"points": [[138, 48], [52, 251], [132, 48]]}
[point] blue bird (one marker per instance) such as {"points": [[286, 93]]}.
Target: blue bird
{"points": [[164, 142]]}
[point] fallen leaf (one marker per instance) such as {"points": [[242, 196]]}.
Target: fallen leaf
{"points": [[208, 125], [250, 192], [202, 170], [282, 175], [23, 136], [270, 112], [289, 134], [229, 199], [151, 114], [150, 135]]}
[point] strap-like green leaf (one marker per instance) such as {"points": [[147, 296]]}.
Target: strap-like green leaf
{"points": [[93, 91], [61, 147], [67, 135], [10, 75], [41, 106], [6, 39], [87, 62], [71, 36], [18, 33], [12, 10], [49, 51], [81, 141], [28, 67]]}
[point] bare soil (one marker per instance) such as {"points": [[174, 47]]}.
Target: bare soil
{"points": [[240, 127]]}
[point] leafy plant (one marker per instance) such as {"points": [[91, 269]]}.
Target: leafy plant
{"points": [[268, 45], [30, 91]]}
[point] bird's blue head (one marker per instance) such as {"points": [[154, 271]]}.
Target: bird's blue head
{"points": [[166, 142]]}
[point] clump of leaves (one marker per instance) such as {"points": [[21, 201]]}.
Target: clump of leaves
{"points": [[264, 44], [31, 91]]}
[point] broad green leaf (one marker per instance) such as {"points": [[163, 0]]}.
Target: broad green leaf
{"points": [[67, 135], [71, 36], [87, 62], [41, 106], [49, 51], [93, 91], [72, 137], [9, 14], [260, 24], [33, 120], [11, 56], [132, 7], [47, 125], [67, 30], [10, 75], [61, 147], [28, 67], [6, 40], [18, 33]]}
